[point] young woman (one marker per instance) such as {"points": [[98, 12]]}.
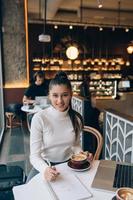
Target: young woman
{"points": [[55, 131]]}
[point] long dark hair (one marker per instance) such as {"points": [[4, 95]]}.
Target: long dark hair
{"points": [[76, 119]]}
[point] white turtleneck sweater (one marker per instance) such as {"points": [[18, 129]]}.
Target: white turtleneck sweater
{"points": [[52, 137]]}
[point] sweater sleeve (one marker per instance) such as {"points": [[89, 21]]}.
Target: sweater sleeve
{"points": [[36, 139]]}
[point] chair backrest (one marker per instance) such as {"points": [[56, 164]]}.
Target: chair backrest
{"points": [[97, 134]]}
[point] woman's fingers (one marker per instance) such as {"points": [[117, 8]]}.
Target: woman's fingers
{"points": [[51, 173]]}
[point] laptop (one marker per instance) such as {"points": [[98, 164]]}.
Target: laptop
{"points": [[42, 100], [111, 175]]}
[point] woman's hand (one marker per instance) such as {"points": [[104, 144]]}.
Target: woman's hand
{"points": [[88, 154], [51, 174]]}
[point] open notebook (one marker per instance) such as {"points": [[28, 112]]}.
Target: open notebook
{"points": [[68, 186]]}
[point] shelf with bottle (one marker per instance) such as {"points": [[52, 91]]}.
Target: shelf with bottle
{"points": [[79, 75], [77, 69], [75, 76], [88, 64], [76, 87], [104, 85], [104, 88], [103, 77], [96, 65]]}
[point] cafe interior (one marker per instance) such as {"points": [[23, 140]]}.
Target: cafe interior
{"points": [[86, 39]]}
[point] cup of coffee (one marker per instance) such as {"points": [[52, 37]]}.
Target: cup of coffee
{"points": [[79, 159], [124, 193]]}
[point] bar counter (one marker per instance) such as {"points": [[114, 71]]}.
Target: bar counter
{"points": [[120, 114]]}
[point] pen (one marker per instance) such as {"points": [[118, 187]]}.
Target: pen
{"points": [[53, 167], [48, 162]]}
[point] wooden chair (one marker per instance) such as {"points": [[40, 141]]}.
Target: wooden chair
{"points": [[99, 138], [12, 120]]}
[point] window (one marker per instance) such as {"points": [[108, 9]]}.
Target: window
{"points": [[2, 123]]}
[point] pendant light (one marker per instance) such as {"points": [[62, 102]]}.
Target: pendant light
{"points": [[44, 37], [72, 52]]}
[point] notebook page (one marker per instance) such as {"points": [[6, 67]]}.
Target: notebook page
{"points": [[69, 187]]}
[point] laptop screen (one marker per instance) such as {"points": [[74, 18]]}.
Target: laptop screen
{"points": [[42, 100], [123, 176]]}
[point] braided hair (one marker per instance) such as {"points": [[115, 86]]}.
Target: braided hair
{"points": [[76, 119]]}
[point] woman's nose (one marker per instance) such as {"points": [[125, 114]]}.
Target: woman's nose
{"points": [[60, 99]]}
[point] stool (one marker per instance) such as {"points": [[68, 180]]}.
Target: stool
{"points": [[12, 121]]}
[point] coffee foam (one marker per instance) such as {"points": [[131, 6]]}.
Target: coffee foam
{"points": [[78, 157]]}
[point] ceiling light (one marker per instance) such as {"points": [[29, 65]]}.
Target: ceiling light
{"points": [[100, 29], [100, 6], [55, 27], [70, 27], [99, 3], [72, 52], [127, 30]]}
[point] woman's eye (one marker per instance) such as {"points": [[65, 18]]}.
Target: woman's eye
{"points": [[65, 95], [55, 95]]}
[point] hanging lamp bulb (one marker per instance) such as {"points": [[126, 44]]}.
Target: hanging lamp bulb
{"points": [[72, 52]]}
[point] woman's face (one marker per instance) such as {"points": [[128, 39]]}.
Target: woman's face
{"points": [[39, 80], [60, 97]]}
